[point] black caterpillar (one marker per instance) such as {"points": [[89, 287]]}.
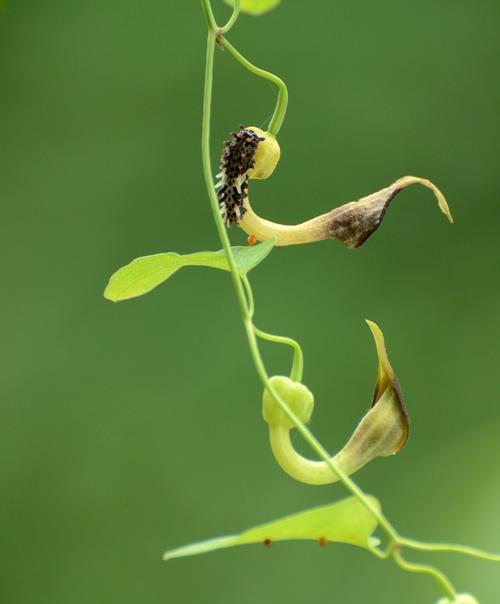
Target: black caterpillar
{"points": [[236, 160]]}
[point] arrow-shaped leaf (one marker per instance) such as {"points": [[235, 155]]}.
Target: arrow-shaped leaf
{"points": [[147, 272], [347, 521]]}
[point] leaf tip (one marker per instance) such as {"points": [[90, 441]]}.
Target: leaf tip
{"points": [[108, 295]]}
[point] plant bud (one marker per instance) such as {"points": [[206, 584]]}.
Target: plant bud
{"points": [[267, 155], [297, 396], [459, 599]]}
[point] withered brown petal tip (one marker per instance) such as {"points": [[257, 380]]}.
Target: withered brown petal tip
{"points": [[352, 223]]}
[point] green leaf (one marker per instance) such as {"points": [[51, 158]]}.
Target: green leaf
{"points": [[347, 521], [248, 257], [147, 272], [255, 7]]}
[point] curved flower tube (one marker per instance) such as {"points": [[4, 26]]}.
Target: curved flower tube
{"points": [[351, 223], [383, 431]]}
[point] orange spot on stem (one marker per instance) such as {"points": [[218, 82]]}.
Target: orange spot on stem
{"points": [[252, 239], [268, 542], [322, 541]]}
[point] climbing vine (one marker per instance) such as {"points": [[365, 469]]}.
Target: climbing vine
{"points": [[252, 153]]}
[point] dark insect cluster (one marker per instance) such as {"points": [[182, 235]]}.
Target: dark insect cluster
{"points": [[236, 160]]}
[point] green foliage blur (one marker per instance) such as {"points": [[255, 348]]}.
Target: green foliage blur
{"points": [[130, 428]]}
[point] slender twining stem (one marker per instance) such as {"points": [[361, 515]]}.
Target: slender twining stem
{"points": [[449, 548], [249, 293], [207, 104], [232, 20], [298, 356], [209, 15], [437, 575], [282, 101]]}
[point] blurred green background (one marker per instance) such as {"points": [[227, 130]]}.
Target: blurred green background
{"points": [[130, 428]]}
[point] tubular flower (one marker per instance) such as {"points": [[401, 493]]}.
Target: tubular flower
{"points": [[383, 431], [253, 154]]}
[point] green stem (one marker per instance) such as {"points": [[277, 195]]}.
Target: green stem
{"points": [[298, 356], [282, 101], [249, 292], [232, 20], [449, 548], [205, 144], [245, 311], [209, 15], [437, 575]]}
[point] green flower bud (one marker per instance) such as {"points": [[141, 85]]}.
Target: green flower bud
{"points": [[266, 156], [297, 396], [459, 599]]}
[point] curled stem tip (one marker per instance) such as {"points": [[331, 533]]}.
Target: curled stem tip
{"points": [[437, 575]]}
